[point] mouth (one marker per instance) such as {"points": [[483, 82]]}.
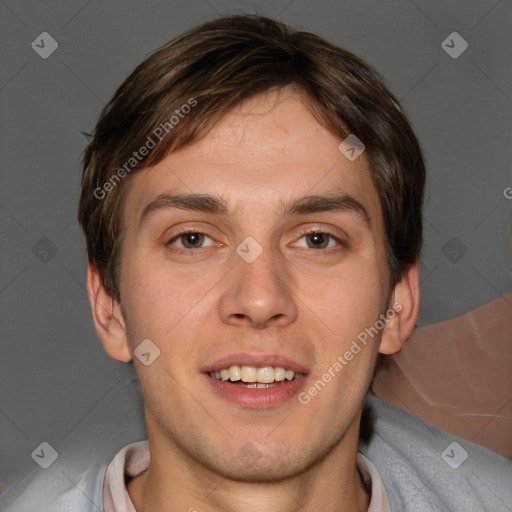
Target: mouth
{"points": [[255, 382], [252, 377]]}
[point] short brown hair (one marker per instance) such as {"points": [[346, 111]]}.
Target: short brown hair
{"points": [[211, 69]]}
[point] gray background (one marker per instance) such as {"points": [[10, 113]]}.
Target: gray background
{"points": [[57, 385]]}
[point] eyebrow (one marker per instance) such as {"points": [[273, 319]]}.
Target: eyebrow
{"points": [[214, 204]]}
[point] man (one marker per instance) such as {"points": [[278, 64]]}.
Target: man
{"points": [[251, 202]]}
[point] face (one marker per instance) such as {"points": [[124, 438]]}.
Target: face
{"points": [[247, 272]]}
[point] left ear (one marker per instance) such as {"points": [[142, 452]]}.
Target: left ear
{"points": [[405, 301]]}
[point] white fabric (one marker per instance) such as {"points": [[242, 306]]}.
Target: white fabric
{"points": [[379, 501]]}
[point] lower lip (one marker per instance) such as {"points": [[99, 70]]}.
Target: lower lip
{"points": [[256, 398]]}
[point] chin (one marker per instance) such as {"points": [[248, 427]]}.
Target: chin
{"points": [[265, 470], [253, 464]]}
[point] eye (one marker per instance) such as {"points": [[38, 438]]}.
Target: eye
{"points": [[189, 240], [320, 240]]}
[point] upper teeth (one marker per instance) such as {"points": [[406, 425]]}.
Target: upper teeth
{"points": [[265, 374]]}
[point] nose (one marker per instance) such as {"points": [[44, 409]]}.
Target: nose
{"points": [[258, 294]]}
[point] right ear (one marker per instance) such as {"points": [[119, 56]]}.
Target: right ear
{"points": [[108, 319]]}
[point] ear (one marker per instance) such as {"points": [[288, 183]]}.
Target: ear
{"points": [[405, 302], [108, 319]]}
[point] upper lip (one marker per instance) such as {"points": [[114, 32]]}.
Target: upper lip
{"points": [[256, 360]]}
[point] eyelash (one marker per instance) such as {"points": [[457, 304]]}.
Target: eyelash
{"points": [[302, 234]]}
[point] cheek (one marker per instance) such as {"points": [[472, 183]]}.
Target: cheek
{"points": [[346, 300], [159, 300], [348, 346]]}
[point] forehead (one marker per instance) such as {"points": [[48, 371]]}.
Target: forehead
{"points": [[268, 150]]}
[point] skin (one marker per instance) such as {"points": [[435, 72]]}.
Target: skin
{"points": [[199, 307]]}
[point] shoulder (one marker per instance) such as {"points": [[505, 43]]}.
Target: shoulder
{"points": [[60, 492], [425, 469]]}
